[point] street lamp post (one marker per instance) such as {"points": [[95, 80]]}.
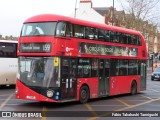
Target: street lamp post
{"points": [[152, 62], [75, 9], [113, 14]]}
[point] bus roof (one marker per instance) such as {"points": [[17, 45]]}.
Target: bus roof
{"points": [[9, 41], [54, 17]]}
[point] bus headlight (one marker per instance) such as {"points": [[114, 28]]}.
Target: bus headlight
{"points": [[18, 76], [50, 93], [16, 91]]}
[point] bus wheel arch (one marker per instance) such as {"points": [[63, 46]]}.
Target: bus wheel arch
{"points": [[133, 87], [84, 94]]}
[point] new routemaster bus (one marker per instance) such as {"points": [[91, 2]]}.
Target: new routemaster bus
{"points": [[65, 59], [8, 62]]}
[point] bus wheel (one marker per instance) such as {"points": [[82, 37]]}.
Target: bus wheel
{"points": [[134, 88], [84, 94]]}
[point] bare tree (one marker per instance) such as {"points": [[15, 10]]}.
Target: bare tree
{"points": [[140, 8], [141, 11], [143, 16]]}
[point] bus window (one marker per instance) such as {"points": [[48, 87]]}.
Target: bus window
{"points": [[94, 68], [118, 37], [101, 68], [107, 35], [132, 40], [124, 38], [101, 35], [60, 30], [123, 67], [133, 67], [64, 29], [113, 36], [73, 69], [84, 68], [129, 39], [34, 29], [69, 30], [78, 31], [90, 33], [8, 50], [139, 41], [107, 68], [114, 67], [121, 39]]}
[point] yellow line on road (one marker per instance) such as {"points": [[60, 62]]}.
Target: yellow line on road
{"points": [[44, 110], [153, 90], [106, 105], [121, 101], [4, 103], [122, 109], [91, 109], [136, 100], [146, 97]]}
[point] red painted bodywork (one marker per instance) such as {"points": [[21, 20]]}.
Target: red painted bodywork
{"points": [[92, 84], [24, 91], [122, 84], [60, 46]]}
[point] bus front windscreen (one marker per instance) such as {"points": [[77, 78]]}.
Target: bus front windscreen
{"points": [[38, 29], [38, 71]]}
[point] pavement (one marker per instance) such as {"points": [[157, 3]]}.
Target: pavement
{"points": [[149, 68], [149, 71]]}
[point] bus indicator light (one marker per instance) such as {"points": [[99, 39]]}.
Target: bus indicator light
{"points": [[56, 62], [57, 97], [57, 93]]}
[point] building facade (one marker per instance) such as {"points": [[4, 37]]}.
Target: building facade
{"points": [[86, 12]]}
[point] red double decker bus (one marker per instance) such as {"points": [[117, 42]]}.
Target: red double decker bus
{"points": [[65, 59]]}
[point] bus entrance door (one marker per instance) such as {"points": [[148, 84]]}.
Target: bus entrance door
{"points": [[103, 77], [68, 78]]}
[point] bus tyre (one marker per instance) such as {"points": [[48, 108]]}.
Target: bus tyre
{"points": [[134, 88], [84, 94]]}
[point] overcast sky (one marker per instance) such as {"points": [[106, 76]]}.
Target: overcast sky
{"points": [[14, 12]]}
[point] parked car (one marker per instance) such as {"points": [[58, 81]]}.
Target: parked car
{"points": [[156, 73]]}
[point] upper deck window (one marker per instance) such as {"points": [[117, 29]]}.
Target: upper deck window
{"points": [[40, 28], [79, 31], [64, 29], [91, 33]]}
